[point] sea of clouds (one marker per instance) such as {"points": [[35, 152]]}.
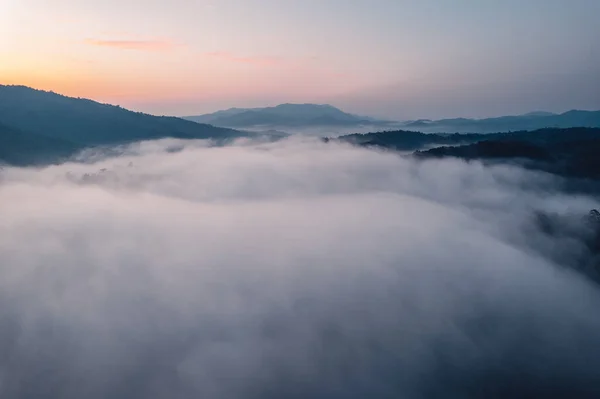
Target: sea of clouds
{"points": [[296, 269]]}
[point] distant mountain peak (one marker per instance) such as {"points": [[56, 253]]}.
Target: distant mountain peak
{"points": [[530, 121], [539, 113], [283, 115], [305, 105]]}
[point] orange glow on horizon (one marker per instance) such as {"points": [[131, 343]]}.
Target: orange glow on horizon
{"points": [[211, 83]]}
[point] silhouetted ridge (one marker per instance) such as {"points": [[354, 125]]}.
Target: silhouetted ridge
{"points": [[569, 152], [285, 115], [492, 149], [87, 122], [21, 148], [406, 140], [530, 121]]}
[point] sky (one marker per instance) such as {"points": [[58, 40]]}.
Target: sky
{"points": [[397, 59]]}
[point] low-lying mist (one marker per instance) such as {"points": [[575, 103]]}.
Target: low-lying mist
{"points": [[322, 131], [295, 269]]}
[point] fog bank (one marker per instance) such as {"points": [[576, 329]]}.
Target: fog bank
{"points": [[175, 269]]}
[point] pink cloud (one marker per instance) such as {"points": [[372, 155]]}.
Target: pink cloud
{"points": [[143, 45], [255, 60]]}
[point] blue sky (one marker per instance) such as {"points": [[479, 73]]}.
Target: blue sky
{"points": [[401, 59]]}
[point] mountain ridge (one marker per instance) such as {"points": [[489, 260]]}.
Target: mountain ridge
{"points": [[569, 152], [284, 115], [88, 122], [529, 121], [26, 149], [38, 126]]}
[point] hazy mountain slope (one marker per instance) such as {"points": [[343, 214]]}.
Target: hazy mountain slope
{"points": [[530, 121], [404, 140], [88, 122], [577, 158], [410, 140], [571, 152], [549, 135], [285, 115], [208, 118], [22, 148]]}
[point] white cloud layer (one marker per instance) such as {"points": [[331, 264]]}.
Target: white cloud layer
{"points": [[295, 269]]}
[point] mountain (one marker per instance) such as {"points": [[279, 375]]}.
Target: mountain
{"points": [[567, 152], [21, 148], [530, 121], [570, 152], [284, 115], [539, 113], [207, 118], [404, 140], [85, 122]]}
